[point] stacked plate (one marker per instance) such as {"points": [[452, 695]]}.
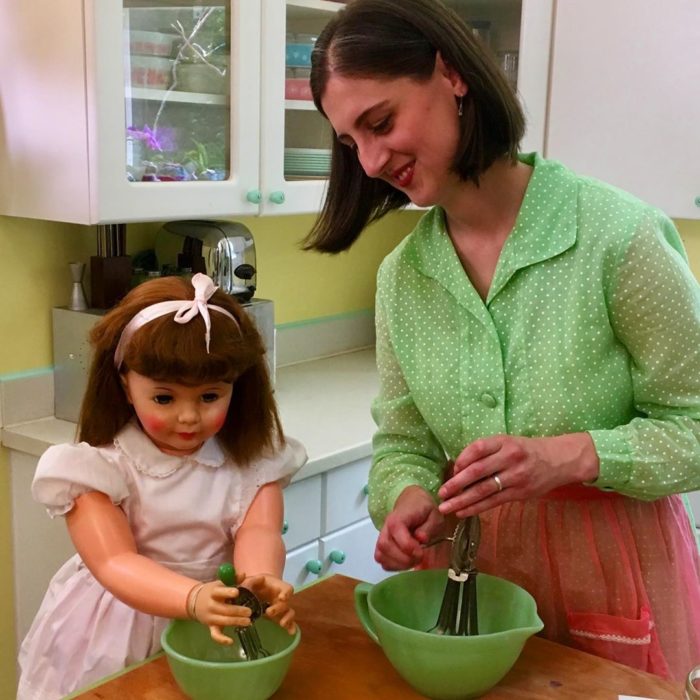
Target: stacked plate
{"points": [[308, 162]]}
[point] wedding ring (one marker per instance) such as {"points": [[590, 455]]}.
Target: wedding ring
{"points": [[498, 482]]}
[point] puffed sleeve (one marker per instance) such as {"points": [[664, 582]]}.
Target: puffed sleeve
{"points": [[66, 471], [282, 465]]}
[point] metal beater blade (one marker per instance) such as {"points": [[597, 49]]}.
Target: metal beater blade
{"points": [[248, 637], [458, 611]]}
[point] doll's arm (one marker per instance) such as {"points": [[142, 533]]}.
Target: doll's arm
{"points": [[259, 554], [259, 547], [102, 537]]}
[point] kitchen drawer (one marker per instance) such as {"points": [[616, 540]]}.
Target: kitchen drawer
{"points": [[302, 511], [353, 551], [346, 500], [302, 565]]}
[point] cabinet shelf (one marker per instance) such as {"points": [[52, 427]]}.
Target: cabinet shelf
{"points": [[303, 105], [199, 98]]}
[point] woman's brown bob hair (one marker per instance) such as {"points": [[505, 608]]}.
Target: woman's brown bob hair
{"points": [[394, 39], [173, 352]]}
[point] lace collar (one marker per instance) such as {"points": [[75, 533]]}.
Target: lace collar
{"points": [[148, 459]]}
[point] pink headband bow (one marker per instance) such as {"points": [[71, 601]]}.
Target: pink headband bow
{"points": [[185, 310]]}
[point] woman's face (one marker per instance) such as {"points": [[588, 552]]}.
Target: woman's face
{"points": [[177, 417], [404, 132]]}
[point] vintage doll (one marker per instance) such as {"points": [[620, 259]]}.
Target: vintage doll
{"points": [[179, 468]]}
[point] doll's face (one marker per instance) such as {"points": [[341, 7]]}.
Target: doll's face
{"points": [[177, 418]]}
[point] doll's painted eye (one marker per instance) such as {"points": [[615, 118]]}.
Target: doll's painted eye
{"points": [[162, 399], [210, 397]]}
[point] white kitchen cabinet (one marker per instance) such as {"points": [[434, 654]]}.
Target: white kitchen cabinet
{"points": [[341, 538], [350, 551], [624, 102], [105, 121], [518, 33]]}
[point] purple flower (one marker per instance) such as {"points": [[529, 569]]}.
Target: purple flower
{"points": [[161, 139]]}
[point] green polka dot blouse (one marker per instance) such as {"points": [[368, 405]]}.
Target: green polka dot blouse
{"points": [[592, 322]]}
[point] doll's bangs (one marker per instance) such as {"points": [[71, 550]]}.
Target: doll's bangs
{"points": [[172, 352]]}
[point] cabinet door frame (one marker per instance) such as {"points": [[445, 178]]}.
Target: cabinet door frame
{"points": [[112, 196], [302, 196], [536, 17]]}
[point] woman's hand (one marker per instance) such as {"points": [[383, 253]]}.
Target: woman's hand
{"points": [[276, 593], [524, 467], [414, 521]]}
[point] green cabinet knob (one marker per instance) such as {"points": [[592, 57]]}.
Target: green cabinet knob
{"points": [[337, 556], [227, 574], [254, 196], [277, 197], [314, 566], [697, 201], [285, 526], [365, 489]]}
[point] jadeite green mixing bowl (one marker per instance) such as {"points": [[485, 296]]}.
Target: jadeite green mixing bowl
{"points": [[398, 611], [205, 670]]}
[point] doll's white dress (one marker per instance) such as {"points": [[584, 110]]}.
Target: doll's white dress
{"points": [[184, 513]]}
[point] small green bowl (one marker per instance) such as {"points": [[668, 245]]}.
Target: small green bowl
{"points": [[398, 611], [205, 670]]}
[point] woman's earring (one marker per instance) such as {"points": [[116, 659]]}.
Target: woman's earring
{"points": [[460, 107]]}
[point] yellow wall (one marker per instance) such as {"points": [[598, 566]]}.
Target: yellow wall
{"points": [[35, 277]]}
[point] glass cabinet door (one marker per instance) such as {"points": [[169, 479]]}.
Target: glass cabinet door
{"points": [[295, 138], [177, 91], [176, 87]]}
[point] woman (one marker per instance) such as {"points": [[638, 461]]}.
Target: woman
{"points": [[538, 329]]}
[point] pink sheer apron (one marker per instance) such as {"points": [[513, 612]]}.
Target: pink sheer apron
{"points": [[612, 576]]}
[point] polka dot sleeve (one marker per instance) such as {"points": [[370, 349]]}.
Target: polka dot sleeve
{"points": [[655, 312], [405, 451]]}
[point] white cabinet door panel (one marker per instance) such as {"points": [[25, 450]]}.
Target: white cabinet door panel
{"points": [[295, 569], [346, 500], [302, 511], [356, 542], [624, 100]]}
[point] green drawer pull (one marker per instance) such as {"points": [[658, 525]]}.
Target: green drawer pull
{"points": [[365, 489], [277, 197], [254, 196], [314, 566], [285, 526], [337, 556]]}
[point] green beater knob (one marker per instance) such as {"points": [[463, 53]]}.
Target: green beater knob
{"points": [[227, 575]]}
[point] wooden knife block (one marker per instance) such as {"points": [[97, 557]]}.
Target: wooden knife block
{"points": [[110, 279]]}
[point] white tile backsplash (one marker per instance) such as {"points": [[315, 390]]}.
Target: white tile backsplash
{"points": [[26, 398]]}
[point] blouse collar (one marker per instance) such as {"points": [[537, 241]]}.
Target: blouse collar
{"points": [[148, 459]]}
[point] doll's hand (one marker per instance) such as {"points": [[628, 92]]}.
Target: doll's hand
{"points": [[213, 605], [276, 593]]}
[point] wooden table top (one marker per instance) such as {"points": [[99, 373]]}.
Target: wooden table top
{"points": [[337, 659]]}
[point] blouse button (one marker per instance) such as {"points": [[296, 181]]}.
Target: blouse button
{"points": [[488, 400]]}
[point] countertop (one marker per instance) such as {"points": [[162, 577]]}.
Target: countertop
{"points": [[336, 658], [323, 403]]}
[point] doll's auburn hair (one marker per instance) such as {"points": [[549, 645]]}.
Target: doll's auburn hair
{"points": [[167, 351]]}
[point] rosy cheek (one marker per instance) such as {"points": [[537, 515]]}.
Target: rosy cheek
{"points": [[219, 420], [153, 425]]}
